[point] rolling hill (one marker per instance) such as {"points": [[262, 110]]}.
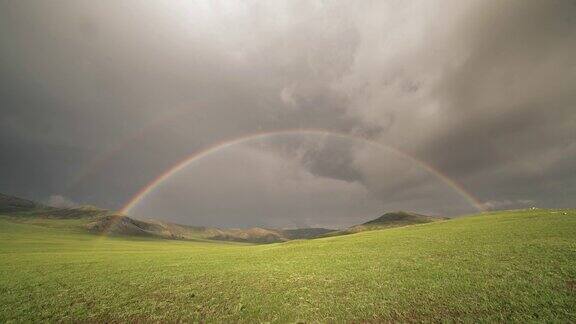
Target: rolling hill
{"points": [[106, 222], [247, 235], [11, 204], [124, 225], [102, 221], [388, 220], [394, 219], [510, 266]]}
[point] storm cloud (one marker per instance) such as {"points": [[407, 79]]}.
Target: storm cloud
{"points": [[99, 98]]}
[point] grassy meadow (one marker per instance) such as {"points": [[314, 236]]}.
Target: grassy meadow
{"points": [[502, 266]]}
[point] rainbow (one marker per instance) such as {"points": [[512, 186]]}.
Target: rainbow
{"points": [[199, 155]]}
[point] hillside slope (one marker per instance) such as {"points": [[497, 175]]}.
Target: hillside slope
{"points": [[517, 266]]}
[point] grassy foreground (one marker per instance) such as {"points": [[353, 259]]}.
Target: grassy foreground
{"points": [[507, 266]]}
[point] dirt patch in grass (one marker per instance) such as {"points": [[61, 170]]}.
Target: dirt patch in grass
{"points": [[571, 285]]}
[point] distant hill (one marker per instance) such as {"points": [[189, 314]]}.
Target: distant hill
{"points": [[389, 220], [266, 235], [16, 206], [12, 204], [106, 222], [124, 225], [398, 218], [305, 233]]}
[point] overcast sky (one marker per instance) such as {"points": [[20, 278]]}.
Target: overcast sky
{"points": [[98, 98]]}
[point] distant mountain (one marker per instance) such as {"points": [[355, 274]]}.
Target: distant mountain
{"points": [[389, 220]]}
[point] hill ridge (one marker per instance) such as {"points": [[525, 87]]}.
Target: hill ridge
{"points": [[106, 222]]}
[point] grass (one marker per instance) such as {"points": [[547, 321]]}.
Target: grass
{"points": [[505, 266]]}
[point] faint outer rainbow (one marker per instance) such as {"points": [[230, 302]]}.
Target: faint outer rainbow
{"points": [[196, 156], [100, 161]]}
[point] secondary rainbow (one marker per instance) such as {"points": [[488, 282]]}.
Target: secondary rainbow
{"points": [[196, 156]]}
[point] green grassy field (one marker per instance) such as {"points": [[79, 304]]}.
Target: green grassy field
{"points": [[507, 266]]}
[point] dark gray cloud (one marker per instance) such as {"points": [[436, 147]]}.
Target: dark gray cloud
{"points": [[98, 98], [510, 106]]}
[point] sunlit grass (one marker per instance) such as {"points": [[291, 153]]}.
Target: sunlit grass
{"points": [[508, 266]]}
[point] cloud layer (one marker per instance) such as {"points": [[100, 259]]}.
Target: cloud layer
{"points": [[99, 98]]}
